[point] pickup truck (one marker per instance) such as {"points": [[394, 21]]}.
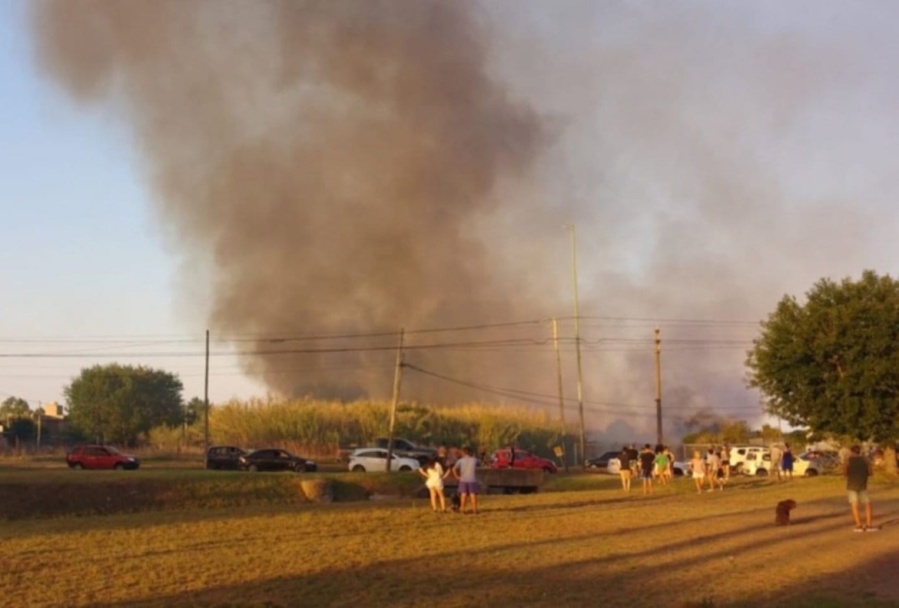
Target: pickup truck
{"points": [[404, 447]]}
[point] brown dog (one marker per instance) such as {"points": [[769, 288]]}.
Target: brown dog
{"points": [[782, 512]]}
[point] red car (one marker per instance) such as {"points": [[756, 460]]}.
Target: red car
{"points": [[100, 457], [523, 460]]}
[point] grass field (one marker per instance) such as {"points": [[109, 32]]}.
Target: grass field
{"points": [[581, 543]]}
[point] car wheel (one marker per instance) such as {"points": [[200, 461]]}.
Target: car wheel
{"points": [[761, 473], [252, 468], [811, 473], [405, 468], [119, 466], [358, 469], [547, 470], [78, 466], [738, 468]]}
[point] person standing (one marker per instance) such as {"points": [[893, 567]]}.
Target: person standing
{"points": [[466, 471], [776, 456], [661, 464], [697, 465], [647, 462], [857, 470], [635, 459], [670, 456], [433, 474], [786, 462], [725, 462], [625, 472], [713, 469], [442, 455]]}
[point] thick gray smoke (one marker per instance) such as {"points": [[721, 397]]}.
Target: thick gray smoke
{"points": [[344, 167], [330, 158]]}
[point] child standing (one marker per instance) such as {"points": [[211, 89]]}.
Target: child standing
{"points": [[433, 474]]}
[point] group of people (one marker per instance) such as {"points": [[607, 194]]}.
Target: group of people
{"points": [[714, 468], [782, 460], [648, 464], [464, 469]]}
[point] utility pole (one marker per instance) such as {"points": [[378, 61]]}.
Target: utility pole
{"points": [[397, 381], [40, 415], [561, 395], [577, 346], [659, 437], [206, 400]]}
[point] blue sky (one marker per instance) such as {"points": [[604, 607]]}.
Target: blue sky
{"points": [[83, 260], [714, 156]]}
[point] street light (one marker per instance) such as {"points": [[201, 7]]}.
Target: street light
{"points": [[577, 344]]}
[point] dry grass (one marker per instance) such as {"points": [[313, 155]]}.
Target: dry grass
{"points": [[588, 546]]}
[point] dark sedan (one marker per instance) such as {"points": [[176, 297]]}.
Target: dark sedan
{"points": [[274, 459], [603, 461], [223, 457]]}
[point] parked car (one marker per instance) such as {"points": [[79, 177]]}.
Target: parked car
{"points": [[523, 460], [375, 460], [680, 468], [220, 457], [739, 454], [608, 462], [275, 459], [100, 457], [757, 463], [806, 464], [404, 447]]}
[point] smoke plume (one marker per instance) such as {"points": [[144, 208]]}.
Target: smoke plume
{"points": [[352, 167], [331, 159]]}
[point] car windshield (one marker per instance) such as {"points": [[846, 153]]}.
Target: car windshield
{"points": [[112, 450]]}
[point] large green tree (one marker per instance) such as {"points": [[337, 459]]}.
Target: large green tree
{"points": [[832, 362], [122, 403]]}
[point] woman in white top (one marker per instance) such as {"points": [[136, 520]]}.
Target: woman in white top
{"points": [[433, 474]]}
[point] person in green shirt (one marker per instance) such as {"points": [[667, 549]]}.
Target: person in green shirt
{"points": [[661, 463]]}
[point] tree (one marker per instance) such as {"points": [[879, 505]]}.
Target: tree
{"points": [[122, 403], [194, 411], [832, 364], [14, 407]]}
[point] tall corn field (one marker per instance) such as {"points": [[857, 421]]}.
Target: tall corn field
{"points": [[320, 428]]}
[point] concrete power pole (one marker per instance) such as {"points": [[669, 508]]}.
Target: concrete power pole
{"points": [[397, 382], [577, 346], [206, 400], [561, 394], [659, 437]]}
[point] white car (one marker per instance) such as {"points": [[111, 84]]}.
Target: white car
{"points": [[366, 460], [740, 454]]}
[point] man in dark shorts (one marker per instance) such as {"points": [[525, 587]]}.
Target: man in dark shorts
{"points": [[647, 462], [857, 470], [465, 470]]}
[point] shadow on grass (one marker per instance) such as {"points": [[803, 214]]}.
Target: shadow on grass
{"points": [[630, 573]]}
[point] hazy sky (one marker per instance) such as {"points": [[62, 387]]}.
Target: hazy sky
{"points": [[713, 156]]}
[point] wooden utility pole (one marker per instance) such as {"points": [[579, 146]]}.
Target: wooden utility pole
{"points": [[397, 382], [206, 399], [659, 437], [561, 394]]}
